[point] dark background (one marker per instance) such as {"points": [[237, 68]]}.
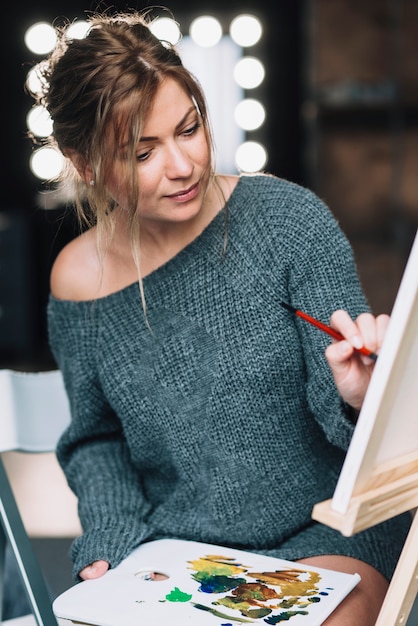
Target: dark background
{"points": [[359, 152]]}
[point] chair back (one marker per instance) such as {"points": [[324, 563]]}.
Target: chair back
{"points": [[34, 412]]}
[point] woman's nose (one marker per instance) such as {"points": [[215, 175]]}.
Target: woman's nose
{"points": [[178, 162]]}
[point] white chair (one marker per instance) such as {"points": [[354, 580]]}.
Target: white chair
{"points": [[35, 499]]}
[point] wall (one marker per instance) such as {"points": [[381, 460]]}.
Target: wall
{"points": [[361, 118]]}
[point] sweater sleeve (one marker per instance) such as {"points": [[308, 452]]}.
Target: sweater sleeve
{"points": [[323, 278], [92, 451]]}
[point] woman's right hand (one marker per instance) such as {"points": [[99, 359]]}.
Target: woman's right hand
{"points": [[351, 370], [95, 570]]}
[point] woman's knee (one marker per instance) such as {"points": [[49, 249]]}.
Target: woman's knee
{"points": [[363, 604]]}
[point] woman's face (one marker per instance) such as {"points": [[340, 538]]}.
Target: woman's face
{"points": [[173, 159]]}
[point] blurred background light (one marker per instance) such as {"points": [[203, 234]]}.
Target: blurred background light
{"points": [[40, 38], [245, 30], [77, 30], [46, 163], [34, 81], [166, 29], [250, 114], [39, 122], [206, 31], [251, 156], [249, 72]]}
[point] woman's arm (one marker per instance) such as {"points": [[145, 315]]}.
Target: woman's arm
{"points": [[95, 459], [323, 279]]}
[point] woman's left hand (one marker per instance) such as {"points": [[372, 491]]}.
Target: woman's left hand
{"points": [[352, 370]]}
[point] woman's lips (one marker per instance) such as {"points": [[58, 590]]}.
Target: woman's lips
{"points": [[186, 194]]}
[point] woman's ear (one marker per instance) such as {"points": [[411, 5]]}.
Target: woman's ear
{"points": [[85, 171]]}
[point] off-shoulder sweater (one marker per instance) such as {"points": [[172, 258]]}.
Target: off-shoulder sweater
{"points": [[216, 419]]}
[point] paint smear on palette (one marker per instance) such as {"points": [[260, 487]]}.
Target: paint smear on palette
{"points": [[176, 595], [273, 597]]}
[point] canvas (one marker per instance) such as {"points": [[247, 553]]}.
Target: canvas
{"points": [[384, 447]]}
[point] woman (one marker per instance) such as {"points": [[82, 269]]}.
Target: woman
{"points": [[201, 408]]}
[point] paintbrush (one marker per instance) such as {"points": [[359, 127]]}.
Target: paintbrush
{"points": [[326, 329]]}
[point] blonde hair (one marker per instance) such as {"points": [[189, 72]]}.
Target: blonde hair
{"points": [[102, 87]]}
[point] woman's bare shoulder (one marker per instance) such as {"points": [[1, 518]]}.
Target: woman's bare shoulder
{"points": [[75, 273]]}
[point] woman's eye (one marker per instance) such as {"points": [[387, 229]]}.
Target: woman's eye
{"points": [[143, 156], [192, 129]]}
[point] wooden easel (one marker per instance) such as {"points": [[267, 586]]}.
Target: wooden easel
{"points": [[379, 479], [369, 509]]}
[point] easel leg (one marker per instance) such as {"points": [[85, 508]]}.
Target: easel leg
{"points": [[2, 568], [404, 585], [14, 530]]}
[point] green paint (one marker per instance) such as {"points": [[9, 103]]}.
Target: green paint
{"points": [[241, 620], [217, 583], [284, 617], [176, 595]]}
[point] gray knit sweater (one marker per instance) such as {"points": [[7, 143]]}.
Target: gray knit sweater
{"points": [[222, 423]]}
